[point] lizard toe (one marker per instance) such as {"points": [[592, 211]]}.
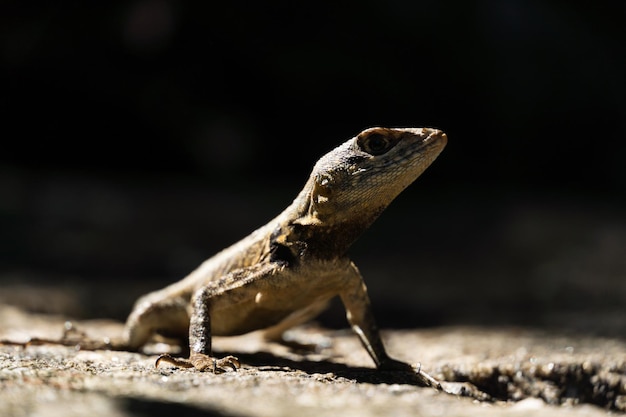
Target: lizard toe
{"points": [[178, 362]]}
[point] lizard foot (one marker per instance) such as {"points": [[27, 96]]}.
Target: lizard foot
{"points": [[76, 338], [427, 379], [423, 377], [201, 362]]}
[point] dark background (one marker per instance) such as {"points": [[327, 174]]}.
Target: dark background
{"points": [[140, 137]]}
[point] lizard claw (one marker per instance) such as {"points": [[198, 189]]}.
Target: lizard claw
{"points": [[219, 365], [230, 361]]}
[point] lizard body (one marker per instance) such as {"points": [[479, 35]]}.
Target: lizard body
{"points": [[285, 272]]}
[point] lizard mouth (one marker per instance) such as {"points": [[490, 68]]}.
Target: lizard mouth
{"points": [[435, 136], [432, 145], [424, 151]]}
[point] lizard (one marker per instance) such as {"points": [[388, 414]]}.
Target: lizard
{"points": [[284, 273]]}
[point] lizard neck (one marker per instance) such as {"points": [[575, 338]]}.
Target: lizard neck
{"points": [[302, 232], [348, 189]]}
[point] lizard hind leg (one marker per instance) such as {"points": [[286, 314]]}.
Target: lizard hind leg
{"points": [[155, 313]]}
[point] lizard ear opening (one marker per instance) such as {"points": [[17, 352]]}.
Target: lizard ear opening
{"points": [[319, 200], [322, 189], [322, 194]]}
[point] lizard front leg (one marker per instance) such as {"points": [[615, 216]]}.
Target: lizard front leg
{"points": [[233, 289], [359, 313], [200, 339]]}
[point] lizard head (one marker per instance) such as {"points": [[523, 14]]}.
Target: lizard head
{"points": [[356, 181]]}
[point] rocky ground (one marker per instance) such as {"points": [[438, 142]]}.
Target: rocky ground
{"points": [[517, 304], [504, 372]]}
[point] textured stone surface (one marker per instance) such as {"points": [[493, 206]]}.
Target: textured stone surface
{"points": [[514, 371]]}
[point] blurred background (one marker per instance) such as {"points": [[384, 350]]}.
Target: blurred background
{"points": [[140, 137]]}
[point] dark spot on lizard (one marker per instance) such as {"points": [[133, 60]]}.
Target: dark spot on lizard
{"points": [[281, 250], [281, 254]]}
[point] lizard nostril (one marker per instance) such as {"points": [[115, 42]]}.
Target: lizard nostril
{"points": [[434, 134]]}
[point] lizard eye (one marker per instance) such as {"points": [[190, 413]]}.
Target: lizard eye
{"points": [[375, 144]]}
